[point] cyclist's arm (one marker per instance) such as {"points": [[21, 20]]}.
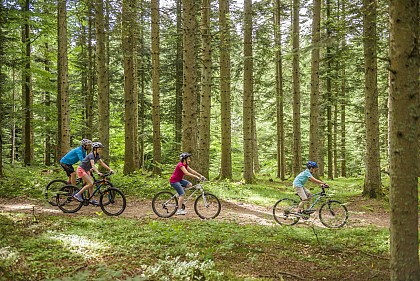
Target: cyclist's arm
{"points": [[80, 155], [314, 180], [190, 172], [92, 163], [104, 165]]}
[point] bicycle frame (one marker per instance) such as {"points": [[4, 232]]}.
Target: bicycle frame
{"points": [[97, 184]]}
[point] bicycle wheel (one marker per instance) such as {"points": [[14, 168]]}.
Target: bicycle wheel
{"points": [[283, 211], [333, 214], [51, 190], [112, 201], [104, 187], [164, 204], [207, 206], [65, 200]]}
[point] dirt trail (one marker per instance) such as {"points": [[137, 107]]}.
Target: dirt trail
{"points": [[362, 212]]}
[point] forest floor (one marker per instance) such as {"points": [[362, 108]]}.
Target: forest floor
{"points": [[362, 211]]}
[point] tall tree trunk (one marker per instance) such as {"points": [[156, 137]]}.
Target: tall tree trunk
{"points": [[179, 64], [329, 59], [189, 99], [141, 76], [103, 79], [205, 101], [281, 158], [47, 100], [130, 83], [372, 183], [343, 99], [63, 98], [156, 89], [225, 92], [247, 95], [404, 115], [297, 146], [90, 87], [314, 109]]}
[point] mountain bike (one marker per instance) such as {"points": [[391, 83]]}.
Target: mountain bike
{"points": [[206, 205], [54, 186], [111, 200], [332, 213]]}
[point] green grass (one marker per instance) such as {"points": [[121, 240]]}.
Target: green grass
{"points": [[75, 248]]}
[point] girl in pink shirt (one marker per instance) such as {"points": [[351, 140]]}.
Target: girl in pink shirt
{"points": [[177, 179]]}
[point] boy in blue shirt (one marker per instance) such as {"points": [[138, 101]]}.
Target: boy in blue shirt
{"points": [[72, 157], [302, 179]]}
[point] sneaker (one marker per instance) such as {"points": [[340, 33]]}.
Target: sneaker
{"points": [[181, 212], [94, 202], [78, 197]]}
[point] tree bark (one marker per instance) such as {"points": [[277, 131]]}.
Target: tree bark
{"points": [[248, 173], [297, 146], [404, 113], [372, 183], [63, 98], [189, 99]]}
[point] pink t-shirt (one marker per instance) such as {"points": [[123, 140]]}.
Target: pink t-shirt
{"points": [[178, 174]]}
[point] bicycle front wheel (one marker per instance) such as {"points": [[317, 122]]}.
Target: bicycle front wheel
{"points": [[284, 211], [112, 201], [65, 200], [164, 204], [207, 206], [333, 214], [51, 190]]}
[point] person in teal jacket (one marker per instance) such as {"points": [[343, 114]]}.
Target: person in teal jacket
{"points": [[72, 157], [302, 179]]}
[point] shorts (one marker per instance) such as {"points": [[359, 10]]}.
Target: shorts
{"points": [[68, 168], [303, 192], [179, 186], [81, 172]]}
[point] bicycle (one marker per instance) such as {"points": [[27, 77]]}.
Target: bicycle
{"points": [[112, 200], [54, 186], [206, 205], [332, 213]]}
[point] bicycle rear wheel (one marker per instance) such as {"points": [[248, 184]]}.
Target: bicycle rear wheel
{"points": [[51, 190], [333, 214], [283, 211], [164, 204], [112, 201], [65, 200], [207, 206]]}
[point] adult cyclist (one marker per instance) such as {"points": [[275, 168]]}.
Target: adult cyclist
{"points": [[72, 157]]}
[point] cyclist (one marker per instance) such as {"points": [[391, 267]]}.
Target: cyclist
{"points": [[86, 166], [72, 157], [178, 182], [300, 181]]}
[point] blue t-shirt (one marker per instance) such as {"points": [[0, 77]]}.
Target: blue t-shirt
{"points": [[85, 164], [73, 156], [302, 178]]}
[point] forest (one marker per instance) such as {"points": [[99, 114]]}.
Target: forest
{"points": [[253, 90]]}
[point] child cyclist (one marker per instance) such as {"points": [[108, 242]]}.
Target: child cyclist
{"points": [[177, 179], [89, 164], [72, 157], [300, 181]]}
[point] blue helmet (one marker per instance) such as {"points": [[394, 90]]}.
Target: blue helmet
{"points": [[311, 164]]}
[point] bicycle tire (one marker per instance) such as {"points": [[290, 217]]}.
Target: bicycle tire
{"points": [[65, 200], [207, 206], [283, 211], [112, 201], [51, 190], [164, 204], [333, 214]]}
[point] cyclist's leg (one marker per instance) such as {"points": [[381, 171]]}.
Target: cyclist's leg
{"points": [[86, 178], [303, 197], [69, 169]]}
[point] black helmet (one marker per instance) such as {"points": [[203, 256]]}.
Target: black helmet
{"points": [[97, 144], [184, 156]]}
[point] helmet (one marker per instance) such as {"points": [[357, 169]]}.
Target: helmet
{"points": [[311, 164], [97, 144], [184, 155], [85, 142]]}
